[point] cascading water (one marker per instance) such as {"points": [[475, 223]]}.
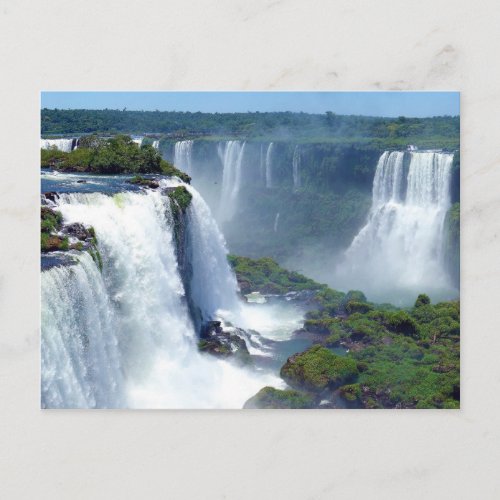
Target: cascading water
{"points": [[79, 347], [296, 167], [124, 338], [276, 222], [182, 156], [269, 171], [156, 144], [401, 246], [138, 140], [262, 169], [232, 155], [213, 286], [65, 145]]}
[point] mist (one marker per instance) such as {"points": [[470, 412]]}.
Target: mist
{"points": [[310, 206]]}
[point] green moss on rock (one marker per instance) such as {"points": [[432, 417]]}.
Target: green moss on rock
{"points": [[350, 392], [318, 368], [141, 181], [353, 306], [168, 169], [264, 275], [271, 398], [50, 223], [52, 243], [50, 220], [180, 198]]}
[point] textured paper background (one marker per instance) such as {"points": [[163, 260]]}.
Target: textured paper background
{"points": [[262, 44]]}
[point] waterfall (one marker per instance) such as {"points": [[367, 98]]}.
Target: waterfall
{"points": [[65, 145], [262, 168], [214, 287], [269, 173], [182, 156], [296, 168], [401, 245], [79, 347], [124, 337], [138, 140], [276, 221], [156, 144], [232, 155]]}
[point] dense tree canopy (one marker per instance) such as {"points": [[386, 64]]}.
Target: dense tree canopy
{"points": [[443, 130], [117, 155]]}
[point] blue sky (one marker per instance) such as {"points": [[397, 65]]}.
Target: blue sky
{"points": [[411, 104]]}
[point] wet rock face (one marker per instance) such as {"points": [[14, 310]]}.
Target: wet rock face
{"points": [[223, 343], [77, 230], [143, 182], [50, 196]]}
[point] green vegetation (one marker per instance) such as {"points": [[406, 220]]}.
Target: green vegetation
{"points": [[50, 223], [51, 243], [50, 220], [406, 358], [266, 276], [351, 392], [52, 157], [385, 132], [318, 368], [141, 181], [397, 358], [270, 398], [337, 217], [118, 155], [452, 241], [92, 249], [180, 197]]}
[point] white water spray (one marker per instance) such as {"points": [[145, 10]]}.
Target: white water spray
{"points": [[232, 155], [262, 169], [79, 346], [213, 287], [183, 151], [276, 222], [401, 246], [125, 338], [296, 168], [65, 145], [269, 171]]}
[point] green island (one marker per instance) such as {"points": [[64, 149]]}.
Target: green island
{"points": [[115, 155]]}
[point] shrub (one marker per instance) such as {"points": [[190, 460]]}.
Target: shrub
{"points": [[351, 392], [353, 306], [318, 368], [422, 300], [268, 398], [402, 322], [355, 295], [50, 220]]}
